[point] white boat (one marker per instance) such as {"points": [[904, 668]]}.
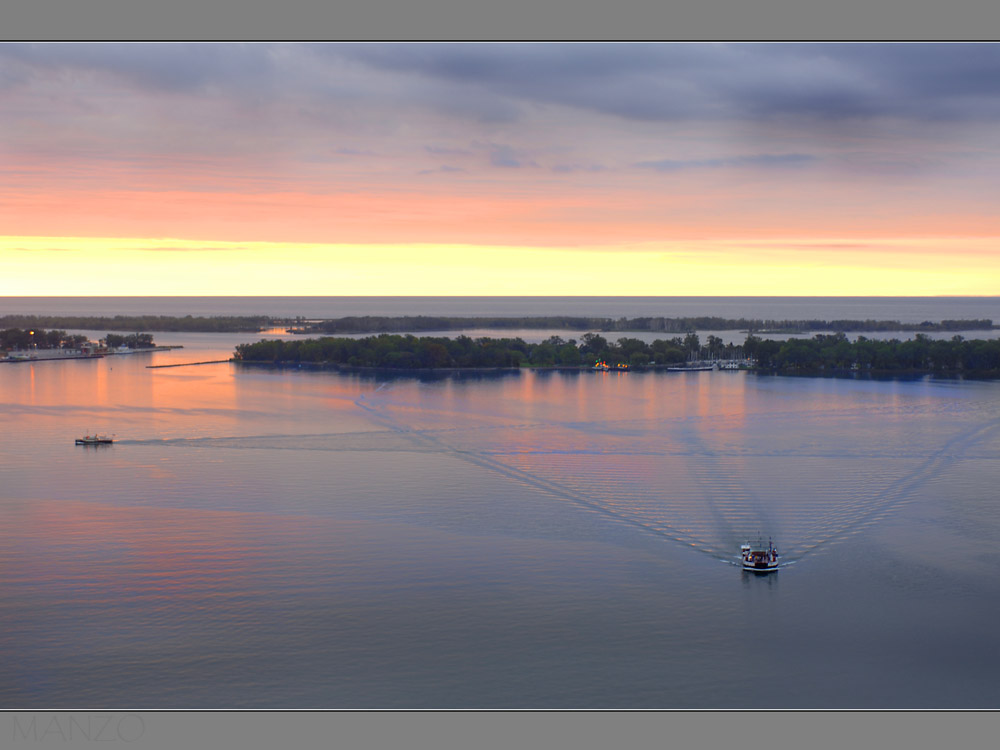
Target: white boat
{"points": [[95, 440], [759, 557]]}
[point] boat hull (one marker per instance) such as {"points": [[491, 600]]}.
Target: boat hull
{"points": [[768, 568]]}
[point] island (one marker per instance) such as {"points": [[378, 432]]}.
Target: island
{"points": [[138, 323], [29, 345], [823, 353], [430, 323], [421, 323]]}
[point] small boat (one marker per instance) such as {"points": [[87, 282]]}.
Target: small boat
{"points": [[693, 368], [95, 440], [601, 366], [758, 557]]}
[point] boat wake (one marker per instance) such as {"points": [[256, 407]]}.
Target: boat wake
{"points": [[712, 506], [580, 498], [693, 481], [875, 508]]}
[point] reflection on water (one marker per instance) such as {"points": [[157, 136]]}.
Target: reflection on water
{"points": [[273, 537]]}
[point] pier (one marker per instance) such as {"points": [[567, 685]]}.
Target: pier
{"points": [[189, 364]]}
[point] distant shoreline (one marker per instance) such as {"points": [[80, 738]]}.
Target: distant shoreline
{"points": [[830, 373], [370, 324], [49, 355]]}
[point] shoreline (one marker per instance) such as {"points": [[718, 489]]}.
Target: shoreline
{"points": [[97, 355], [828, 373], [423, 323]]}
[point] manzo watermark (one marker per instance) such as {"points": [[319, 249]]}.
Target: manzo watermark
{"points": [[76, 727]]}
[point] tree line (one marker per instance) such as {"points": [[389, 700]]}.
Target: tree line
{"points": [[823, 352], [132, 340], [32, 338], [418, 323], [411, 352], [28, 338], [836, 352], [138, 323]]}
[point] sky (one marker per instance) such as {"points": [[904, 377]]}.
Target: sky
{"points": [[674, 169]]}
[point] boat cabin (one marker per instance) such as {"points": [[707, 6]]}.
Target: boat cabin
{"points": [[759, 557]]}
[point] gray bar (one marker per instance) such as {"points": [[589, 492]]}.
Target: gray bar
{"points": [[501, 730], [386, 20]]}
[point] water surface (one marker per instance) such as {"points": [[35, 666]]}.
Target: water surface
{"points": [[282, 538], [903, 309]]}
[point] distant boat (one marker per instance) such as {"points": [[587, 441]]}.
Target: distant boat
{"points": [[757, 557], [95, 440], [600, 366], [695, 368]]}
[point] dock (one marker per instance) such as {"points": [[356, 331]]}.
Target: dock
{"points": [[189, 364]]}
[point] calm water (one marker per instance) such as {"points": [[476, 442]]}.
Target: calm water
{"points": [[264, 538], [903, 309]]}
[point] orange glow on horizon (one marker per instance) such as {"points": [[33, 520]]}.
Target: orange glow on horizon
{"points": [[550, 216], [76, 266]]}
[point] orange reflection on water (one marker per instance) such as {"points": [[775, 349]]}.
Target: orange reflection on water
{"points": [[115, 552]]}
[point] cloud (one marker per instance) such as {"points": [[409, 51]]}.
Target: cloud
{"points": [[286, 117], [444, 151], [669, 82], [182, 249], [503, 156], [156, 66], [41, 249], [493, 83], [445, 169], [756, 161], [571, 168], [806, 245]]}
